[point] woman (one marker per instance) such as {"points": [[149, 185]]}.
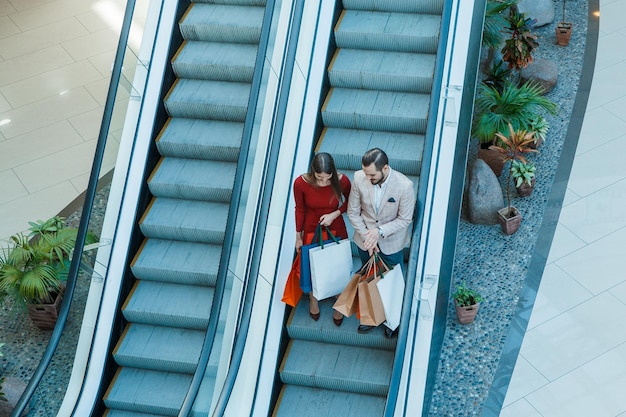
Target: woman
{"points": [[321, 198]]}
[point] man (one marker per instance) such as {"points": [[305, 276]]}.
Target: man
{"points": [[380, 208]]}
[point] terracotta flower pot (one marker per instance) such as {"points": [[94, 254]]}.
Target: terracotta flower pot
{"points": [[466, 314], [563, 33], [494, 159], [525, 189], [44, 316], [509, 222]]}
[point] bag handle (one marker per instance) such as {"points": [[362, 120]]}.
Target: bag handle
{"points": [[328, 232]]}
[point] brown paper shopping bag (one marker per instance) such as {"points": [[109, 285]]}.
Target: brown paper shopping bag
{"points": [[370, 304], [347, 301]]}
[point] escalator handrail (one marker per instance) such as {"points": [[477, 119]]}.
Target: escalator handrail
{"points": [[266, 195], [405, 317], [231, 221], [90, 195]]}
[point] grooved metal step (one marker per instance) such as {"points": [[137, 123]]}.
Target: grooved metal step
{"points": [[303, 401], [402, 6], [216, 61], [385, 31], [382, 70], [200, 139], [205, 99], [177, 262], [186, 220], [158, 348], [173, 305], [193, 179], [223, 23], [147, 391], [362, 370], [376, 110]]}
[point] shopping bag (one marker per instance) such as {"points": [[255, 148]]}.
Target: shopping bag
{"points": [[347, 301], [293, 292], [391, 290], [374, 266], [370, 305], [331, 267], [305, 261]]}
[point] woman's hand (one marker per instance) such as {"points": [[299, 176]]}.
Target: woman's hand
{"points": [[298, 240], [329, 218]]}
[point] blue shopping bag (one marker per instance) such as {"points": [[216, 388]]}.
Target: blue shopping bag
{"points": [[305, 260]]}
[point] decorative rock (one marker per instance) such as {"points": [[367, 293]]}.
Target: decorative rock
{"points": [[484, 194], [541, 71], [13, 389], [540, 10]]}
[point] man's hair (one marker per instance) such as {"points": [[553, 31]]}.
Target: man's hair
{"points": [[375, 156]]}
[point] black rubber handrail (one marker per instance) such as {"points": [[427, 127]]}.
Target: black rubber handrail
{"points": [[231, 221], [269, 175], [401, 345], [85, 216]]}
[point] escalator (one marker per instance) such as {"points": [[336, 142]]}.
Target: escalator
{"points": [[380, 79], [168, 309]]}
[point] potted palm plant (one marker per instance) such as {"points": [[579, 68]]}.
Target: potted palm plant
{"points": [[563, 30], [513, 147], [495, 110], [466, 303], [34, 268]]}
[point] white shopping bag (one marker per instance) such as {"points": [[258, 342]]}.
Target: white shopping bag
{"points": [[331, 268], [391, 289]]}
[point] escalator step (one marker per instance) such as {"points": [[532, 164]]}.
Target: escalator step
{"points": [[202, 99], [402, 6], [314, 402], [201, 139], [404, 150], [216, 61], [158, 348], [300, 326], [193, 179], [223, 23], [361, 370], [401, 32], [145, 391], [381, 70], [376, 110], [173, 305], [177, 262], [186, 220]]}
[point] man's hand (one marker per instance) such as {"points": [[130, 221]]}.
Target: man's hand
{"points": [[370, 240]]}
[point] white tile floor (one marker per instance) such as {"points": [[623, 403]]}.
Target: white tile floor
{"points": [[55, 57], [573, 358]]}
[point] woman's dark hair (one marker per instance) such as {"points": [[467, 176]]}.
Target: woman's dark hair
{"points": [[323, 163], [375, 156]]}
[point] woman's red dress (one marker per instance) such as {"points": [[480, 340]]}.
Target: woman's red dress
{"points": [[312, 202]]}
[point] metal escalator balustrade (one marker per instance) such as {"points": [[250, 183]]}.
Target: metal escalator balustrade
{"points": [[380, 78], [184, 226]]}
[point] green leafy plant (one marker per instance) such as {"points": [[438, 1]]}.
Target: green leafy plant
{"points": [[34, 266], [515, 105], [494, 22], [497, 76], [514, 147], [465, 296], [522, 172], [540, 126], [519, 46]]}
